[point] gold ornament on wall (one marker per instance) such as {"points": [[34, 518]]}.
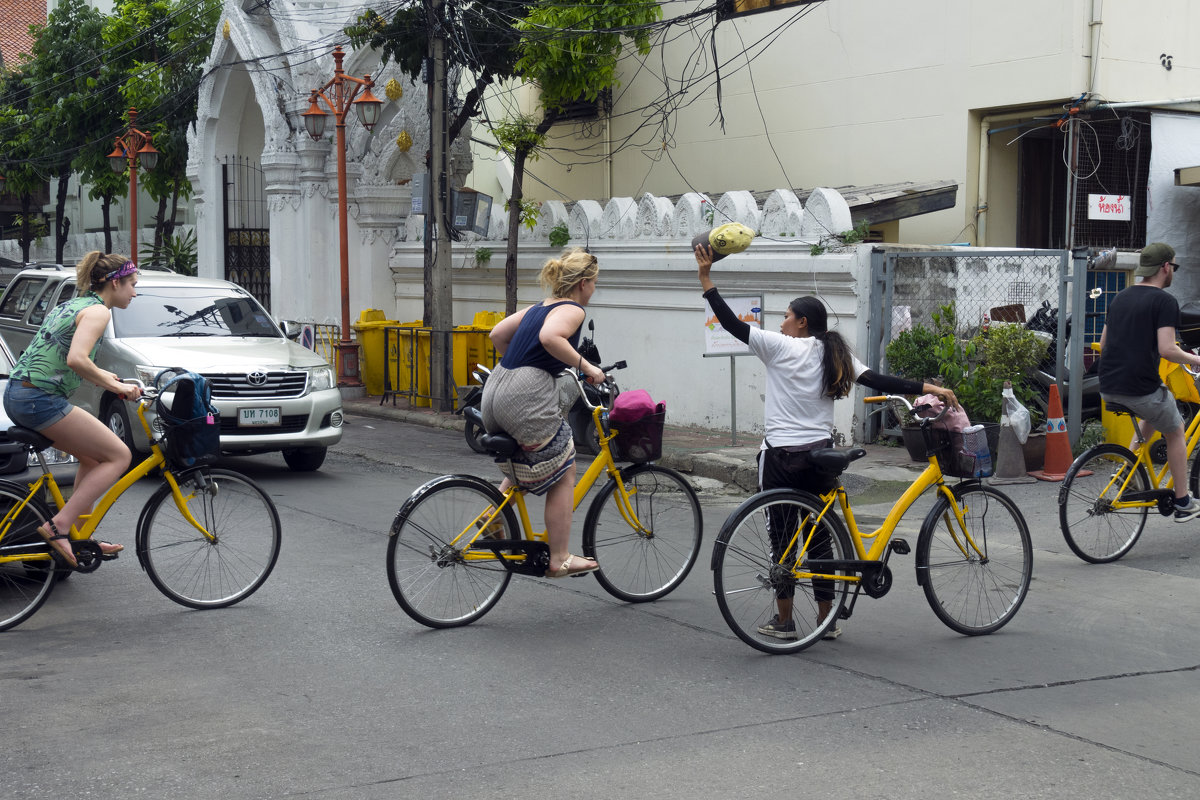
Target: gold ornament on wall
{"points": [[225, 29], [404, 141], [393, 90]]}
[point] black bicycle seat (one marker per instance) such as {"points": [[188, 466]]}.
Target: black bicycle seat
{"points": [[30, 437], [832, 461], [499, 444]]}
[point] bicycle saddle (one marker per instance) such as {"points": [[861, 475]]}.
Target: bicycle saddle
{"points": [[28, 436], [501, 444], [832, 461]]}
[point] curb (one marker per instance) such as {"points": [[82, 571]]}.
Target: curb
{"points": [[735, 466]]}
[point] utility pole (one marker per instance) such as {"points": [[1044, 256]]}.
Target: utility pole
{"points": [[441, 383]]}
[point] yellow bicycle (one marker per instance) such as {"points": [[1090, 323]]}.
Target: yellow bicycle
{"points": [[1109, 491], [786, 568], [207, 537], [457, 541]]}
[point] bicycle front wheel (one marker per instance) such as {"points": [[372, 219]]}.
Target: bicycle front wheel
{"points": [[1095, 530], [435, 576], [229, 563], [975, 574], [27, 572], [764, 592], [646, 548]]}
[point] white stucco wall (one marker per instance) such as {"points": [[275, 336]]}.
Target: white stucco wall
{"points": [[649, 312], [861, 93]]}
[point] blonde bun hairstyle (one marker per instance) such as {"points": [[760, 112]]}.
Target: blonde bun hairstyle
{"points": [[561, 275], [93, 267]]}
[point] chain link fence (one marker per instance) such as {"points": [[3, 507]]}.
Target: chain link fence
{"points": [[935, 305]]}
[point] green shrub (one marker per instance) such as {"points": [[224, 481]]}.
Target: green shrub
{"points": [[910, 355]]}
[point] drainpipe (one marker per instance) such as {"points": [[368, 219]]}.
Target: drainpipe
{"points": [[1094, 24], [1178, 101]]}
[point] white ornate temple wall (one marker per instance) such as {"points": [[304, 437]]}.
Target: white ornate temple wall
{"points": [[648, 308]]}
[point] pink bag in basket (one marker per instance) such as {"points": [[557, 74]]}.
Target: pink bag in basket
{"points": [[631, 405]]}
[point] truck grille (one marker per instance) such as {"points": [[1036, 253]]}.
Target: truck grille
{"points": [[258, 385]]}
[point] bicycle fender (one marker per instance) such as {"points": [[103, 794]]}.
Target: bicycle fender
{"points": [[428, 486], [933, 517], [723, 534]]}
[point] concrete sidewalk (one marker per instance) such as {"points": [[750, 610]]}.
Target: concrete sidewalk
{"points": [[699, 452]]}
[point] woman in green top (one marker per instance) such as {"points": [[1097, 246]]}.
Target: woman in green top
{"points": [[54, 364]]}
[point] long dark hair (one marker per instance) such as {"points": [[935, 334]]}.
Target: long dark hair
{"points": [[838, 361]]}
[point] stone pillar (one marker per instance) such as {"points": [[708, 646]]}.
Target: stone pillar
{"points": [[315, 269], [281, 171], [381, 208]]}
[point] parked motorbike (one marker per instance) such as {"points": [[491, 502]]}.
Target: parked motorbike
{"points": [[1044, 322], [577, 414]]}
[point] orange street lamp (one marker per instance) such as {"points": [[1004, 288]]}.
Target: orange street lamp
{"points": [[133, 147], [339, 96]]}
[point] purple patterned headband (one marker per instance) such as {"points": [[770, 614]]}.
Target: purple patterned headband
{"points": [[128, 268]]}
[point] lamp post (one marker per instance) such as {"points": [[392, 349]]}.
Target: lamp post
{"points": [[133, 147], [339, 95]]}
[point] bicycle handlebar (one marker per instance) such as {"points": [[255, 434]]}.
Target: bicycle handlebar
{"points": [[909, 406], [604, 388]]}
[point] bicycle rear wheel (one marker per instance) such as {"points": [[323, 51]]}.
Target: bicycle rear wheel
{"points": [[975, 576], [641, 565], [26, 581], [755, 578], [434, 576], [1094, 530], [189, 567]]}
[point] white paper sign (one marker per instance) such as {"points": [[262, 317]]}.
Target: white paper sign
{"points": [[716, 340], [1108, 206]]}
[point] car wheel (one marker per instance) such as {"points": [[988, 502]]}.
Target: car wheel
{"points": [[304, 459], [116, 417]]}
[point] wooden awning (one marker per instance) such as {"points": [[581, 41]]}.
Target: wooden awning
{"points": [[1187, 176]]}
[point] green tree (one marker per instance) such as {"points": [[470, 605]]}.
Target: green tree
{"points": [[569, 49], [19, 149], [66, 115], [155, 50]]}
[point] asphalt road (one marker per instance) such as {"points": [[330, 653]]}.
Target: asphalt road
{"points": [[319, 686]]}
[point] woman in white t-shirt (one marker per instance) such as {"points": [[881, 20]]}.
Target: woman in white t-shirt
{"points": [[808, 367]]}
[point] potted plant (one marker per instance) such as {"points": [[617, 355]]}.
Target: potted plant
{"points": [[974, 366]]}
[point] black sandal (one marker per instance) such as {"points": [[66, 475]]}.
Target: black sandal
{"points": [[55, 540]]}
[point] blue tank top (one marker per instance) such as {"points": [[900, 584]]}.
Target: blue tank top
{"points": [[526, 350]]}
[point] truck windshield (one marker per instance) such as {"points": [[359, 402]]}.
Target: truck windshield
{"points": [[177, 311]]}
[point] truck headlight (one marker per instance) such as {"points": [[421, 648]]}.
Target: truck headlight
{"points": [[321, 378]]}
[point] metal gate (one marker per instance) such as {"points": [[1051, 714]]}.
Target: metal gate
{"points": [[247, 233]]}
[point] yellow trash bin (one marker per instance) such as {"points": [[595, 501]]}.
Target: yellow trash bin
{"points": [[371, 336]]}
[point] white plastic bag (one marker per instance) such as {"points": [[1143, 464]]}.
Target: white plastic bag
{"points": [[1013, 414]]}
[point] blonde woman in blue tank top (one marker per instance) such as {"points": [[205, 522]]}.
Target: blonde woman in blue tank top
{"points": [[521, 398], [57, 360]]}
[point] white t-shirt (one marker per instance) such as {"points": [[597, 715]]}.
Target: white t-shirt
{"points": [[797, 409]]}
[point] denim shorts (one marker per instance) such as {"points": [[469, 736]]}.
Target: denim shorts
{"points": [[31, 407]]}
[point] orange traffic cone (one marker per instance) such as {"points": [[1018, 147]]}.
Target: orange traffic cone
{"points": [[1058, 444]]}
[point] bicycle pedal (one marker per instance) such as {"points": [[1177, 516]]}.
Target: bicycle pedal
{"points": [[900, 547]]}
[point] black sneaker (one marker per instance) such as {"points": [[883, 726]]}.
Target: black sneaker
{"points": [[777, 629], [1189, 510]]}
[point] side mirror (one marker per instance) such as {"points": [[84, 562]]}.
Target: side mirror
{"points": [[291, 329]]}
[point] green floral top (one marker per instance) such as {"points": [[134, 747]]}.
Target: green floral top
{"points": [[44, 362]]}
